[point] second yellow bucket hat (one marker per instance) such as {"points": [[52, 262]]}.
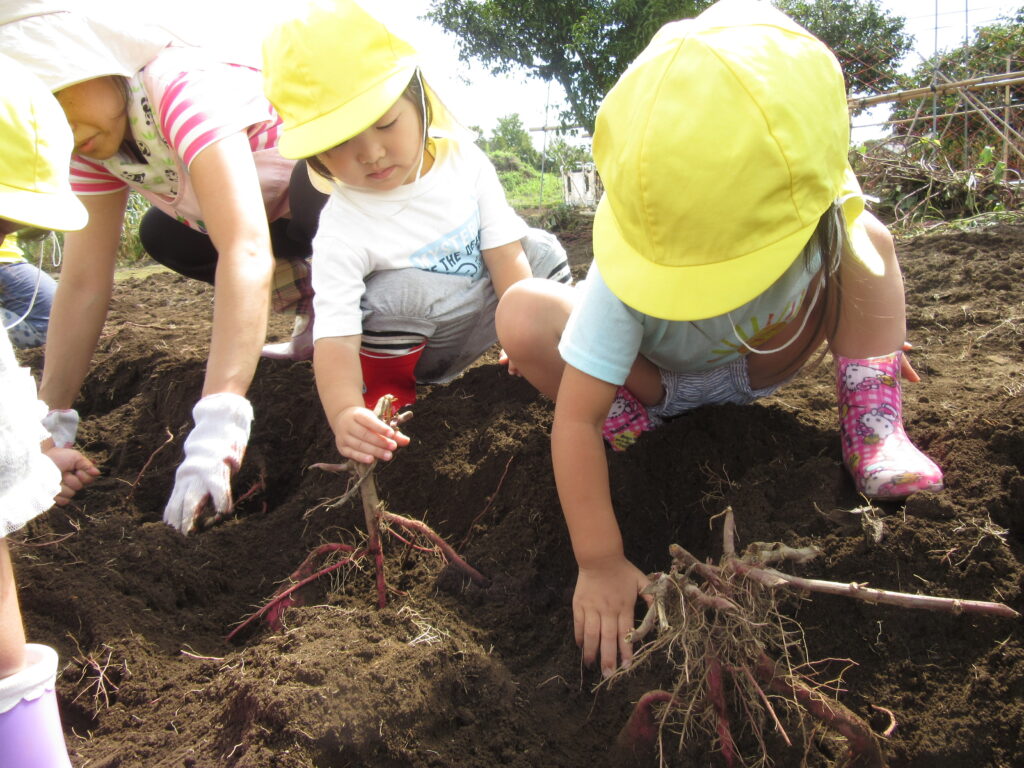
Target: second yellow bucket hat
{"points": [[720, 148], [331, 70]]}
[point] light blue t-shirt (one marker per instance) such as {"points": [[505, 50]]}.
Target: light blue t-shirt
{"points": [[604, 336]]}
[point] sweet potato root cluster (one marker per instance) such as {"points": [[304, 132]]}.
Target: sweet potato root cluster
{"points": [[740, 666], [338, 555]]}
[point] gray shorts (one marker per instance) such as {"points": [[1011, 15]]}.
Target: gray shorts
{"points": [[455, 314], [729, 383]]}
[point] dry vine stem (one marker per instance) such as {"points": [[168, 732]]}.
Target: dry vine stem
{"points": [[377, 519], [736, 655]]}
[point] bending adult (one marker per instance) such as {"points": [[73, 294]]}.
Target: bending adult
{"points": [[35, 146], [197, 138]]}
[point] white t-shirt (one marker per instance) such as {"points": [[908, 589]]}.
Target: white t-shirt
{"points": [[440, 223], [604, 336]]}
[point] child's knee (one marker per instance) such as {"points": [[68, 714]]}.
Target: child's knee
{"points": [[520, 313], [511, 307]]}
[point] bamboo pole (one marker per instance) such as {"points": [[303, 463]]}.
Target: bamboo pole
{"points": [[973, 84]]}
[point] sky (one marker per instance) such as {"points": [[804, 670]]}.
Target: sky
{"points": [[480, 98]]}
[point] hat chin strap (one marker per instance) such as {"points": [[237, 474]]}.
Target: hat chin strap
{"points": [[800, 330], [55, 250]]}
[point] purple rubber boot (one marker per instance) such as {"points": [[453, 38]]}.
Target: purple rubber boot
{"points": [[30, 729]]}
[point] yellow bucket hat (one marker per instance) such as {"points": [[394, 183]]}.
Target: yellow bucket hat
{"points": [[35, 152], [720, 147], [331, 71]]}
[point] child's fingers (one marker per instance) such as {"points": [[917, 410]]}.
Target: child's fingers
{"points": [[86, 467], [364, 453], [71, 481], [591, 637], [63, 498], [609, 644], [503, 359], [625, 646], [86, 476]]}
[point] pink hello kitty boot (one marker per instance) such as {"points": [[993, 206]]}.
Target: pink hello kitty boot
{"points": [[628, 418], [876, 450]]}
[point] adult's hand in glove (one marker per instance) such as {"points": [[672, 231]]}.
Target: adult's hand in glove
{"points": [[62, 424], [213, 453]]}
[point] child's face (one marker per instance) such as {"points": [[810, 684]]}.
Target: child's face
{"points": [[384, 156], [97, 114]]}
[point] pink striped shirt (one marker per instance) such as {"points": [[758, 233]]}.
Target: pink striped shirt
{"points": [[195, 102]]}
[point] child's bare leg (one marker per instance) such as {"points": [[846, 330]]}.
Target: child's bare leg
{"points": [[530, 319], [12, 632], [868, 346], [872, 319], [30, 727]]}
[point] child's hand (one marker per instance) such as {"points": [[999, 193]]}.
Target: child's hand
{"points": [[602, 610], [504, 359], [362, 437], [906, 369], [76, 472]]}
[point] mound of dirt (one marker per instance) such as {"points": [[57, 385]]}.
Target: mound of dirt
{"points": [[450, 674]]}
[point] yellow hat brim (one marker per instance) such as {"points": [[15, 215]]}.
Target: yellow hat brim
{"points": [[691, 292], [346, 120], [45, 210]]}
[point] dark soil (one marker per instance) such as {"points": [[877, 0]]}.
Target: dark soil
{"points": [[455, 675]]}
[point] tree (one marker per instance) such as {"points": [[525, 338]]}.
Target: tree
{"points": [[582, 44], [511, 136], [561, 155], [585, 45], [868, 41]]}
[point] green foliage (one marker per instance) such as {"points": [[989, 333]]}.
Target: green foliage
{"points": [[511, 137], [582, 44], [560, 155], [993, 50], [868, 41], [914, 183], [506, 161], [527, 187], [517, 162], [585, 45], [130, 252], [561, 218]]}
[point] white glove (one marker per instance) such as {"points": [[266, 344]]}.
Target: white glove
{"points": [[213, 453], [62, 424]]}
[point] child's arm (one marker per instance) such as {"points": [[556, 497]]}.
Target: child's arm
{"points": [[83, 296], [608, 584], [506, 264], [358, 433]]}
